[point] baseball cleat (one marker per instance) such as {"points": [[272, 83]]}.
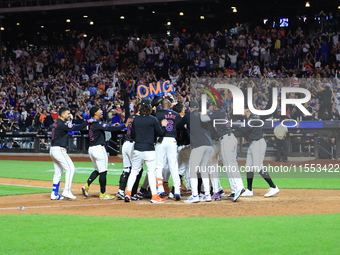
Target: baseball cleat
{"points": [[162, 194], [231, 196], [105, 196], [85, 191], [171, 195], [157, 199], [178, 197], [69, 195], [192, 199], [248, 193], [221, 192], [216, 197], [238, 193], [136, 197], [127, 199], [56, 196], [272, 191], [144, 192], [206, 198], [120, 195]]}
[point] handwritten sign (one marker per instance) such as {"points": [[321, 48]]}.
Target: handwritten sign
{"points": [[154, 89]]}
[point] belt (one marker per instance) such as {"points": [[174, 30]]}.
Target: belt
{"points": [[255, 140], [221, 138]]}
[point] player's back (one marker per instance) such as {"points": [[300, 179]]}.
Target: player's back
{"points": [[172, 117], [143, 132]]}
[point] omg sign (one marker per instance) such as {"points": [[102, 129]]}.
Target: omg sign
{"points": [[154, 89]]}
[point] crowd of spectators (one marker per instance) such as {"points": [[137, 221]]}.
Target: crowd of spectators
{"points": [[35, 82]]}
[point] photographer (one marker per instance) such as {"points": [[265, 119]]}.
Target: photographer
{"points": [[15, 145], [15, 127]]}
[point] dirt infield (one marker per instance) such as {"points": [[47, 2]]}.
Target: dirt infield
{"points": [[287, 202]]}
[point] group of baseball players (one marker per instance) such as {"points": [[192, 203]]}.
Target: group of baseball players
{"points": [[171, 139]]}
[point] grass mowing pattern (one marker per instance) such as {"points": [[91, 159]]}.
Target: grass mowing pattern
{"points": [[56, 234], [10, 190]]}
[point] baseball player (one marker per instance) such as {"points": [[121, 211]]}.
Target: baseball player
{"points": [[228, 152], [201, 145], [166, 149], [143, 131], [58, 153], [98, 152], [183, 152], [255, 154], [127, 150]]}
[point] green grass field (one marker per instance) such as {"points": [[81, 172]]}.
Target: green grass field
{"points": [[59, 234], [56, 234], [44, 171], [9, 190]]}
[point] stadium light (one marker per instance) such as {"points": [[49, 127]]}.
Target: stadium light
{"points": [[307, 4], [181, 14], [339, 7], [85, 35], [201, 17], [169, 23], [91, 22], [42, 26], [122, 17], [234, 9], [153, 12], [85, 16], [18, 24], [68, 20], [2, 28]]}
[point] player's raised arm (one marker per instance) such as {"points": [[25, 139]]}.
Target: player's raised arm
{"points": [[80, 126]]}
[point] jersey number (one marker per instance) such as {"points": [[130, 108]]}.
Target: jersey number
{"points": [[91, 135], [170, 126]]}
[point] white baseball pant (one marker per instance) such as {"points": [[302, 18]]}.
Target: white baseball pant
{"points": [[61, 162], [255, 155], [99, 158], [183, 163], [229, 159], [166, 153], [127, 150], [214, 176], [149, 157], [199, 164]]}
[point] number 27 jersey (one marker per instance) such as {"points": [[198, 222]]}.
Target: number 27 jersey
{"points": [[173, 118]]}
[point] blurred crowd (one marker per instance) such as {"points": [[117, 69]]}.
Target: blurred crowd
{"points": [[88, 71]]}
